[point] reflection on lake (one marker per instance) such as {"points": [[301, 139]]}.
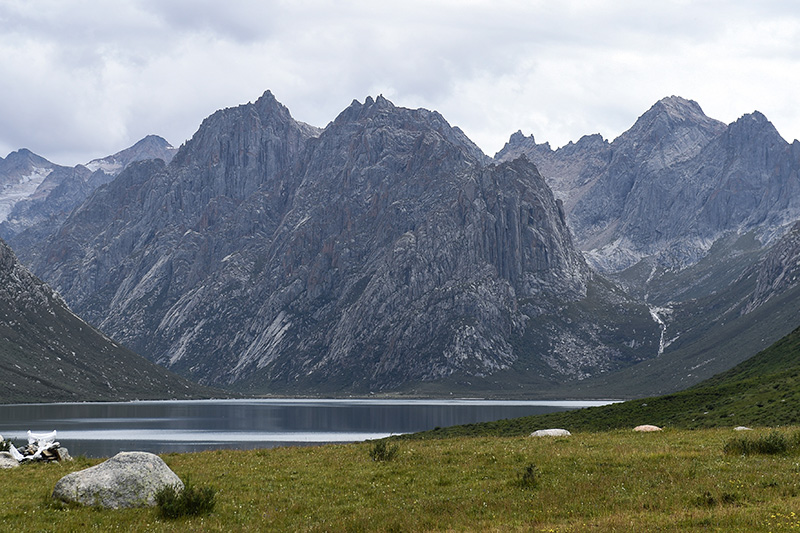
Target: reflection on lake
{"points": [[103, 429]]}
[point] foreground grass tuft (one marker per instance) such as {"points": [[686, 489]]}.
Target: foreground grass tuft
{"points": [[174, 502], [774, 443], [529, 478], [383, 451]]}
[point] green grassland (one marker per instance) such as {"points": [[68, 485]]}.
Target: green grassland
{"points": [[675, 480]]}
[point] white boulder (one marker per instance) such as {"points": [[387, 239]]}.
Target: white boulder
{"points": [[647, 428], [551, 433], [129, 479]]}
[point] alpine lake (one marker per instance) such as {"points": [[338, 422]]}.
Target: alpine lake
{"points": [[104, 429]]}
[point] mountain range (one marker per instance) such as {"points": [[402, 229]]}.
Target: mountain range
{"points": [[672, 185], [387, 253], [37, 195]]}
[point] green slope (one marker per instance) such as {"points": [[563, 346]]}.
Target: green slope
{"points": [[762, 391]]}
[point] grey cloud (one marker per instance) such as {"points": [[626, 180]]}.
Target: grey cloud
{"points": [[83, 78]]}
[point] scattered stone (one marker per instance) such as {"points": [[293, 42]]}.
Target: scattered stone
{"points": [[551, 433], [742, 428], [7, 460], [129, 479], [646, 428], [62, 454]]}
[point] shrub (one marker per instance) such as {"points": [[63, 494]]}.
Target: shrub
{"points": [[708, 500], [191, 501], [529, 477], [382, 451], [773, 444], [4, 445]]}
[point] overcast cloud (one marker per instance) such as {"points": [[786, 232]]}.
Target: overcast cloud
{"points": [[81, 79]]}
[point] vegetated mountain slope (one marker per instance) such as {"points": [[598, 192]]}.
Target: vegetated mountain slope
{"points": [[672, 185], [47, 193], [762, 391], [49, 354], [379, 252]]}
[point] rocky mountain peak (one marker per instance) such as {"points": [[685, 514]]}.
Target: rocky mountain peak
{"points": [[753, 128], [517, 144], [381, 114], [149, 147], [20, 162], [673, 129], [679, 109]]}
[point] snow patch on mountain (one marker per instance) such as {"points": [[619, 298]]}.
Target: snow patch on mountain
{"points": [[25, 187]]}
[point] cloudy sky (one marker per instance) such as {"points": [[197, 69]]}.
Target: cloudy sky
{"points": [[81, 79]]}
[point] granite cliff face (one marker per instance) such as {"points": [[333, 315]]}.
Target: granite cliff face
{"points": [[778, 272], [49, 354], [673, 185], [383, 250]]}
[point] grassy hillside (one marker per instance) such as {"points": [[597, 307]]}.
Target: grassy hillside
{"points": [[762, 391], [675, 480]]}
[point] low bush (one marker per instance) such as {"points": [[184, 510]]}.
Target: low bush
{"points": [[529, 478], [774, 443], [382, 451], [191, 501]]}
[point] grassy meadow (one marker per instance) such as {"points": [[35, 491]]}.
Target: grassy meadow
{"points": [[674, 480]]}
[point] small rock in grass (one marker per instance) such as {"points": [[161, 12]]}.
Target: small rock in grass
{"points": [[551, 433], [742, 428], [646, 428]]}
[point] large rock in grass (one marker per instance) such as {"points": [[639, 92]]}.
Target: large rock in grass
{"points": [[129, 479]]}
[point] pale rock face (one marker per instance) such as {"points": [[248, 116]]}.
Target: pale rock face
{"points": [[7, 460], [129, 479]]}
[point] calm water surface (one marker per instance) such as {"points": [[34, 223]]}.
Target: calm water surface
{"points": [[103, 429]]}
